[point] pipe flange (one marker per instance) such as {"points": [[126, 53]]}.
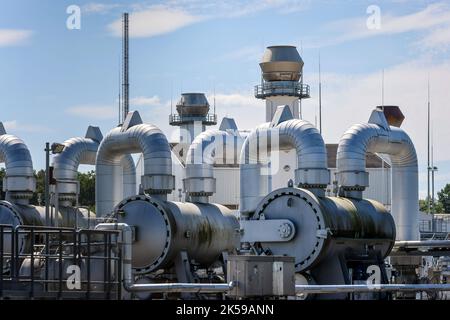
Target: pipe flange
{"points": [[160, 258], [307, 217], [15, 214], [67, 197], [21, 194]]}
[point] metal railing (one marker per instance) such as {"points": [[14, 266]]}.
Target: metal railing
{"points": [[177, 119], [59, 263], [288, 88]]}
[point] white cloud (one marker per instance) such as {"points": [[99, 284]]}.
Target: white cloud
{"points": [[169, 16], [154, 21], [16, 126], [102, 112], [145, 101], [102, 8], [430, 19], [12, 37], [439, 38], [246, 53], [349, 99]]}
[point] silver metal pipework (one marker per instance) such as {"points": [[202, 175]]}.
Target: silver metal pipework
{"points": [[19, 182], [82, 151], [76, 151], [127, 272], [208, 148], [133, 137], [379, 137], [346, 288], [283, 133]]}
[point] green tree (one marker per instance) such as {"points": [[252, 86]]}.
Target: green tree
{"points": [[87, 189], [38, 195], [444, 198], [438, 207]]}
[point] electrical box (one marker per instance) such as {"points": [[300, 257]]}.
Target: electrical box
{"points": [[261, 276]]}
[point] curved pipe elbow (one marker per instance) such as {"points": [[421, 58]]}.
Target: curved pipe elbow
{"points": [[352, 175], [19, 179], [111, 177], [311, 171], [209, 148], [76, 151]]}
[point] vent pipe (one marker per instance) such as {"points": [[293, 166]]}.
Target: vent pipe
{"points": [[283, 133], [209, 148], [133, 137], [19, 182], [379, 136]]}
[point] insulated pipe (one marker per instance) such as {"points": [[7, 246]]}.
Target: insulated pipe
{"points": [[353, 178], [19, 181], [132, 137], [423, 244], [208, 148], [354, 288], [127, 272], [311, 171]]}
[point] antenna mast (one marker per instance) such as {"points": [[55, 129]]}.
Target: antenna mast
{"points": [[120, 104], [428, 149], [382, 89], [125, 85], [320, 99]]}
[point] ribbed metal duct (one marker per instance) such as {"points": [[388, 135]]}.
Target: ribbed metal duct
{"points": [[19, 182], [132, 137], [282, 134], [353, 177], [208, 148], [83, 151]]}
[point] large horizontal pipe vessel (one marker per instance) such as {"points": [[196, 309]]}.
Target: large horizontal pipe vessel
{"points": [[165, 228]]}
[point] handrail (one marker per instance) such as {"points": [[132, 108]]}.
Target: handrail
{"points": [[276, 88]]}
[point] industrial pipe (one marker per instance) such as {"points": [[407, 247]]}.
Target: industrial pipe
{"points": [[208, 148], [19, 182], [132, 137], [423, 244], [284, 133], [378, 137], [128, 279], [356, 288]]}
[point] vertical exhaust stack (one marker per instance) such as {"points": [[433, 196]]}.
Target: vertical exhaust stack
{"points": [[208, 148], [283, 133], [383, 135], [133, 137], [19, 182]]}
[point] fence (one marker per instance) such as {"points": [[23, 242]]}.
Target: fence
{"points": [[59, 263]]}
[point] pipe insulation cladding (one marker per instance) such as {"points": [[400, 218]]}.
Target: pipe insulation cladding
{"points": [[78, 151], [284, 133], [162, 229], [209, 148], [132, 137], [326, 226], [19, 182], [379, 137]]}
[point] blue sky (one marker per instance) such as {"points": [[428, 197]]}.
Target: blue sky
{"points": [[54, 82]]}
